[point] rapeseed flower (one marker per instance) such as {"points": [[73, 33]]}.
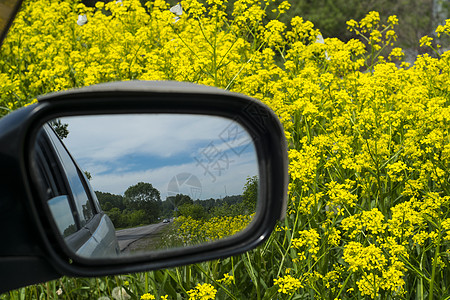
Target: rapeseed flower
{"points": [[147, 296], [426, 41], [227, 279], [287, 284], [203, 291]]}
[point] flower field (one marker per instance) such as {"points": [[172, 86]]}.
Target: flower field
{"points": [[192, 231], [368, 135]]}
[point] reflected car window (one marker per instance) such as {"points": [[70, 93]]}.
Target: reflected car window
{"points": [[60, 208], [82, 202]]}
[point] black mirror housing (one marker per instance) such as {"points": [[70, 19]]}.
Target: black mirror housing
{"points": [[32, 252]]}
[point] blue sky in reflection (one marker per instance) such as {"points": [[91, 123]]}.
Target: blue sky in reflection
{"points": [[201, 156]]}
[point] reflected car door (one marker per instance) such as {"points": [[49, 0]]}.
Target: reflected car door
{"points": [[78, 216]]}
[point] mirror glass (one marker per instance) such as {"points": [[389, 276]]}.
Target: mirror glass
{"points": [[130, 184]]}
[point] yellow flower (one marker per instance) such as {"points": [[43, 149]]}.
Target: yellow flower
{"points": [[227, 279], [283, 7], [426, 40], [273, 33], [203, 291], [339, 194], [287, 284], [443, 28], [99, 5], [364, 258], [375, 36], [393, 20], [351, 24], [307, 241], [390, 34], [370, 20], [147, 296]]}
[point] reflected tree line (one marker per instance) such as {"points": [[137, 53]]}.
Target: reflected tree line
{"points": [[141, 204]]}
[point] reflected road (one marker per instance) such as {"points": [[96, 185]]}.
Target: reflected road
{"points": [[126, 237]]}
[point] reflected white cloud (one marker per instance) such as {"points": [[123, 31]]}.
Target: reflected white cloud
{"points": [[122, 150], [157, 134]]}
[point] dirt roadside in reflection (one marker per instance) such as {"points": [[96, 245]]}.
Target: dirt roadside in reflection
{"points": [[143, 239]]}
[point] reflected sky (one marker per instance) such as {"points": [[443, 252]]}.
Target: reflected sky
{"points": [[62, 213], [201, 156]]}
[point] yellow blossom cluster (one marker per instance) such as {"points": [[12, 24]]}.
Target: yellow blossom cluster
{"points": [[287, 284], [307, 241], [443, 28], [367, 222], [203, 291], [147, 296], [227, 279]]}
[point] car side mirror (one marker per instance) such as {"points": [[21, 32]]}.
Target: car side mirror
{"points": [[94, 177]]}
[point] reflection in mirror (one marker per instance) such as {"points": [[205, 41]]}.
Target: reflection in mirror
{"points": [[130, 184], [59, 206]]}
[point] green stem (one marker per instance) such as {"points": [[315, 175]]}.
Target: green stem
{"points": [[146, 282], [294, 228], [216, 282], [420, 283], [253, 276], [435, 262]]}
